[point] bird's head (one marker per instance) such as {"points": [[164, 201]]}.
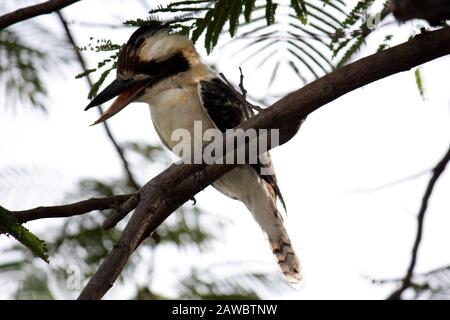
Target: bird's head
{"points": [[151, 55]]}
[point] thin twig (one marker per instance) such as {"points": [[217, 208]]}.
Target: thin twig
{"points": [[25, 13], [131, 180], [407, 280], [421, 275], [69, 210], [391, 184], [241, 95], [248, 112], [181, 181], [241, 84]]}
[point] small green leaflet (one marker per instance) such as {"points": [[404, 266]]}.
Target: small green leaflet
{"points": [[419, 83], [9, 225], [300, 10]]}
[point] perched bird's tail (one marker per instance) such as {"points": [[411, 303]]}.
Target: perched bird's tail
{"points": [[260, 199], [284, 252]]}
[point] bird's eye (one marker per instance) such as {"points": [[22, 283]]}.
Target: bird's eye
{"points": [[153, 68]]}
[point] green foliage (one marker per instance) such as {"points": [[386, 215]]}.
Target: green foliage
{"points": [[34, 287], [249, 6], [419, 82], [292, 39], [189, 227], [26, 61], [357, 26], [214, 16], [352, 50], [357, 13], [384, 45], [221, 282], [271, 9], [110, 63], [300, 9], [21, 71], [305, 36], [82, 242], [148, 151], [10, 226], [96, 86], [195, 286]]}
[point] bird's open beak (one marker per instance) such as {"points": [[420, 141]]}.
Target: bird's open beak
{"points": [[126, 91]]}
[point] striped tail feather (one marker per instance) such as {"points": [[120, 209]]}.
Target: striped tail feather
{"points": [[285, 254]]}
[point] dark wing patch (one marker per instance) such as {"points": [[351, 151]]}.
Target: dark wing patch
{"points": [[221, 103], [130, 62], [225, 107]]}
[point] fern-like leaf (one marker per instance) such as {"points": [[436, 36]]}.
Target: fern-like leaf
{"points": [[10, 225], [300, 9]]}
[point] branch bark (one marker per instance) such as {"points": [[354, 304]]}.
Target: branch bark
{"points": [[33, 11], [407, 280], [163, 194]]}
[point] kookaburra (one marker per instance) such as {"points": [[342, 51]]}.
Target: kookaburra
{"points": [[164, 70]]}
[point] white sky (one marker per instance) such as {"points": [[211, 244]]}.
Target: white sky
{"points": [[377, 134]]}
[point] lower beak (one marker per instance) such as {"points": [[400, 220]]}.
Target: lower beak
{"points": [[126, 91]]}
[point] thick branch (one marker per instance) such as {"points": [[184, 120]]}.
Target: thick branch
{"points": [[181, 182], [437, 172], [33, 11], [69, 210]]}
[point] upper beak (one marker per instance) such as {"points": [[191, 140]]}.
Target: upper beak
{"points": [[126, 91]]}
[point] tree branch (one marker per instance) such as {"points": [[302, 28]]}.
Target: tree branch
{"points": [[121, 212], [74, 209], [407, 280], [25, 13], [423, 274], [130, 178], [163, 194]]}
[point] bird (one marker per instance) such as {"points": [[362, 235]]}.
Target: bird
{"points": [[163, 69]]}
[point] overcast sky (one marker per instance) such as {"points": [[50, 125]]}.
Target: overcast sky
{"points": [[343, 231]]}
